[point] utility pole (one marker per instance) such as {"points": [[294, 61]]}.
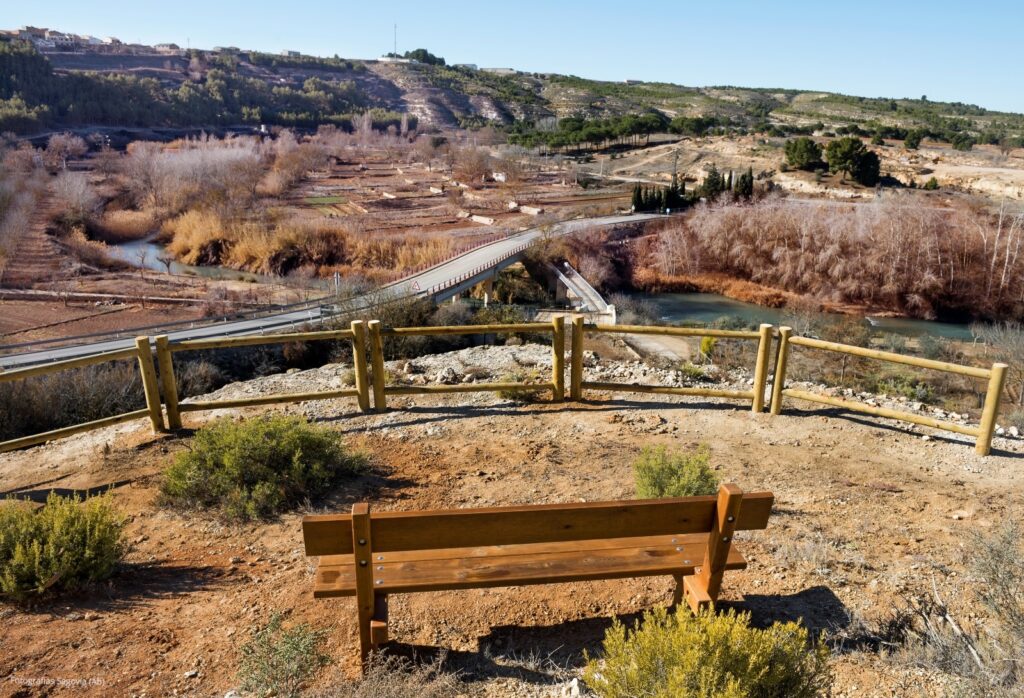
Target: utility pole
{"points": [[396, 40]]}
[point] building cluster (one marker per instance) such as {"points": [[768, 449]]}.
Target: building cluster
{"points": [[52, 40]]}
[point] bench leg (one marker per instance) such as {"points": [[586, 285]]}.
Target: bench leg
{"points": [[379, 622], [697, 597], [677, 595]]}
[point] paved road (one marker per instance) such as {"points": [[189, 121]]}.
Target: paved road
{"points": [[420, 284]]}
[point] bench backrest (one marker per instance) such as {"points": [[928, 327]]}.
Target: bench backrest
{"points": [[331, 534]]}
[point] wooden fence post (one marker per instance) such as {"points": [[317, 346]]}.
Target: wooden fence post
{"points": [[377, 362], [781, 361], [359, 364], [576, 359], [558, 358], [764, 346], [148, 371], [983, 446], [167, 382]]}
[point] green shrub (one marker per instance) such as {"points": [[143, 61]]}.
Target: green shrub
{"points": [[932, 184], [709, 656], [277, 662], [692, 371], [64, 545], [257, 468], [707, 347], [531, 376], [661, 473]]}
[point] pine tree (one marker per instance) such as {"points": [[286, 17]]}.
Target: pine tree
{"points": [[638, 198]]}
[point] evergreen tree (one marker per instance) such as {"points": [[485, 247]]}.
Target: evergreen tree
{"points": [[745, 185]]}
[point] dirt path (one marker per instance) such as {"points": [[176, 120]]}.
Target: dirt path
{"points": [[867, 514], [36, 258]]}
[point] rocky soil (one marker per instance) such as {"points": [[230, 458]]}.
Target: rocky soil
{"points": [[868, 514]]}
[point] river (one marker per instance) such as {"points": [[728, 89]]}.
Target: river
{"points": [[704, 308], [150, 252]]}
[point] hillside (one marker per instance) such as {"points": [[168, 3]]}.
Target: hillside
{"points": [[139, 86], [852, 539]]}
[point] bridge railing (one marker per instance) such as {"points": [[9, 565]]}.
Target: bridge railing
{"points": [[371, 378]]}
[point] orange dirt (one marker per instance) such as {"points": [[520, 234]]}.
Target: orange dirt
{"points": [[867, 513]]}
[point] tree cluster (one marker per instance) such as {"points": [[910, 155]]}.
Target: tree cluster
{"points": [[850, 156]]}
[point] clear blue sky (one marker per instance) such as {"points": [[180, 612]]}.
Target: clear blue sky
{"points": [[950, 51]]}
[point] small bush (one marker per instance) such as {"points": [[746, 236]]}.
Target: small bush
{"points": [[709, 656], [393, 677], [692, 371], [63, 546], [277, 662], [531, 376], [661, 473], [258, 468], [932, 184], [707, 347]]}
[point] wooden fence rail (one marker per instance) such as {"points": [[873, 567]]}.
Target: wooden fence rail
{"points": [[996, 377], [556, 328], [160, 387], [140, 352], [755, 394]]}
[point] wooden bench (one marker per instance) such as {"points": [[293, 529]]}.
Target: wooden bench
{"points": [[398, 552]]}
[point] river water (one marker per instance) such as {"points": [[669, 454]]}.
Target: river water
{"points": [[704, 308], [148, 252]]}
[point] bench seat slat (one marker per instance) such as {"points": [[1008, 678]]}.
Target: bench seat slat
{"points": [[417, 571], [331, 534]]}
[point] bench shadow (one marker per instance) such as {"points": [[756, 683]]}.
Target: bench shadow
{"points": [[817, 608], [541, 654]]}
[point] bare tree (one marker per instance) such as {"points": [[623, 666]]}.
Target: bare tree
{"points": [[472, 165], [167, 260], [63, 146], [73, 190]]}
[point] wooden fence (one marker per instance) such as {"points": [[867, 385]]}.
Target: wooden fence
{"points": [[370, 375], [755, 394], [996, 377]]}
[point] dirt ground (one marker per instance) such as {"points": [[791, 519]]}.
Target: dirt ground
{"points": [[866, 514]]}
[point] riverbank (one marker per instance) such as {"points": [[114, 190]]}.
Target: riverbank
{"points": [[705, 298]]}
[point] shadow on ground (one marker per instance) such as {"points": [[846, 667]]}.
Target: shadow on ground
{"points": [[544, 655]]}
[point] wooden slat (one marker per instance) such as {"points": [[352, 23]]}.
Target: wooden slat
{"points": [[666, 390], [265, 400], [972, 371], [542, 523], [921, 419], [464, 388], [531, 327], [674, 331], [522, 566], [24, 441], [327, 534]]}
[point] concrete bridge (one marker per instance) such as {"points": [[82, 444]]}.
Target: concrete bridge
{"points": [[441, 282]]}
